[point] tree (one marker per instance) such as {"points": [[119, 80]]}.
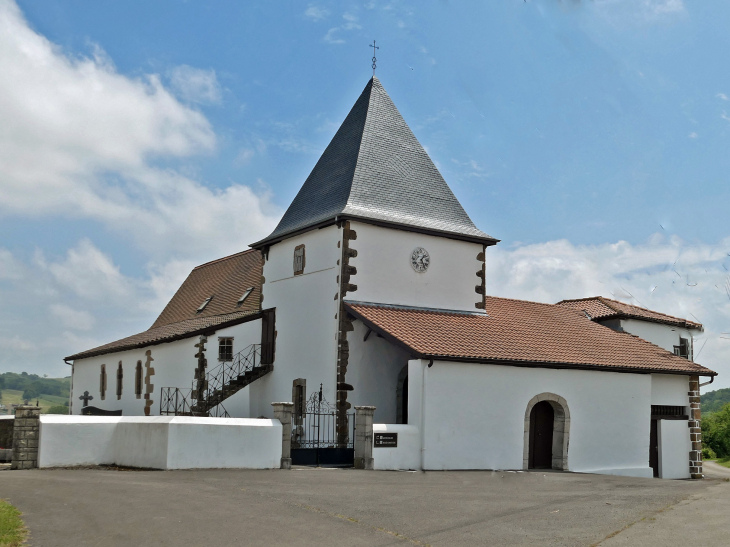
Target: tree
{"points": [[716, 431]]}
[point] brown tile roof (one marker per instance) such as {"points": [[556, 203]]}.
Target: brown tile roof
{"points": [[225, 279], [169, 333], [523, 333], [599, 307]]}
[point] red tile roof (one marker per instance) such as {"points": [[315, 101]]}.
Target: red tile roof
{"points": [[225, 279], [599, 307], [170, 333], [523, 333]]}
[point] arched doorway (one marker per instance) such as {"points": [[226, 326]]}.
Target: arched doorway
{"points": [[401, 397], [546, 434], [541, 436]]}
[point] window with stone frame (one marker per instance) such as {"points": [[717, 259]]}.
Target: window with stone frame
{"points": [[138, 380], [225, 349], [299, 260], [120, 376], [102, 382]]}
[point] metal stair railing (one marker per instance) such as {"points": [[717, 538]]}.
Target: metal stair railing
{"points": [[221, 382]]}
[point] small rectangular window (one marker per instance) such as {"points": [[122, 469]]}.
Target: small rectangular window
{"points": [[683, 348], [102, 382], [225, 349], [244, 296], [299, 260], [138, 380]]}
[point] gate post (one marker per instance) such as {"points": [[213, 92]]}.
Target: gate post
{"points": [[26, 437], [364, 437], [283, 413]]}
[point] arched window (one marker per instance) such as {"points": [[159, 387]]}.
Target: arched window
{"points": [[120, 375], [102, 382], [138, 380]]}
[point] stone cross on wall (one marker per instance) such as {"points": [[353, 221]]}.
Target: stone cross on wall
{"points": [[86, 398]]}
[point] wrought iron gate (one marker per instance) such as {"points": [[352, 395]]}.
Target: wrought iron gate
{"points": [[314, 435]]}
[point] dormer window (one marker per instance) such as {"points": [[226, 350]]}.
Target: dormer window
{"points": [[244, 296], [204, 304]]}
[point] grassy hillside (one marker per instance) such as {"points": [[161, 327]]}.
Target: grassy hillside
{"points": [[713, 401], [15, 397]]}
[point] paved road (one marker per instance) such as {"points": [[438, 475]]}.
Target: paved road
{"points": [[348, 507]]}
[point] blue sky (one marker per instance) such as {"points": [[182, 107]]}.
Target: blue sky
{"points": [[144, 138]]}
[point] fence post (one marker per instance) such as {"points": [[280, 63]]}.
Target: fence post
{"points": [[364, 437], [283, 413], [25, 437]]}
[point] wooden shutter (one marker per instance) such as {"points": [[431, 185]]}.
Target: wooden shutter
{"points": [[268, 336]]}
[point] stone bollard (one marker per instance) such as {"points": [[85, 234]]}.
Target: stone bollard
{"points": [[25, 437], [283, 413], [364, 437]]}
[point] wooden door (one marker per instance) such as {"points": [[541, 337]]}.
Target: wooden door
{"points": [[654, 448], [542, 417]]}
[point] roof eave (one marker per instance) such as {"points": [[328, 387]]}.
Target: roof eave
{"points": [[268, 241], [173, 338], [574, 366]]}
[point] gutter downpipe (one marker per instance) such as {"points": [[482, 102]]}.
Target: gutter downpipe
{"points": [[712, 379]]}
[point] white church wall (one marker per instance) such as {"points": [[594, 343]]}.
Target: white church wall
{"points": [[659, 334], [384, 272], [472, 416], [406, 455], [305, 318], [373, 370], [159, 442], [174, 364], [670, 389], [674, 448]]}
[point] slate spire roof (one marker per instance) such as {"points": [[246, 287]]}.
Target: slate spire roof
{"points": [[374, 169]]}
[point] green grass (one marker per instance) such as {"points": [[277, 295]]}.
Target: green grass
{"points": [[12, 529], [15, 397]]}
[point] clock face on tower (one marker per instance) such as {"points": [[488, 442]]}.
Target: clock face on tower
{"points": [[420, 259]]}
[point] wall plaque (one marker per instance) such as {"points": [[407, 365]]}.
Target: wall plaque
{"points": [[389, 440]]}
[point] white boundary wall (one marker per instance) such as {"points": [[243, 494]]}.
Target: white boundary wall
{"points": [[159, 442], [405, 456]]}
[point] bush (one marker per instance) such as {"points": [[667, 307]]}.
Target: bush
{"points": [[708, 453], [58, 409]]}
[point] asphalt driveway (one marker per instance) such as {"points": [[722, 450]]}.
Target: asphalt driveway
{"points": [[73, 507]]}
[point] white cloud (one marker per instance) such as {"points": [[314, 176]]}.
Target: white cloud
{"points": [[722, 96], [693, 135], [10, 268], [315, 13], [77, 140], [195, 84], [73, 319], [640, 11], [16, 343], [333, 34], [667, 275], [90, 274]]}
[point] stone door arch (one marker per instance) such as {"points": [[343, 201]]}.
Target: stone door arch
{"points": [[561, 430]]}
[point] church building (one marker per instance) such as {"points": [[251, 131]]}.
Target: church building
{"points": [[371, 292]]}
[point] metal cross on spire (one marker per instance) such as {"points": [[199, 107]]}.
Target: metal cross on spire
{"points": [[374, 59]]}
